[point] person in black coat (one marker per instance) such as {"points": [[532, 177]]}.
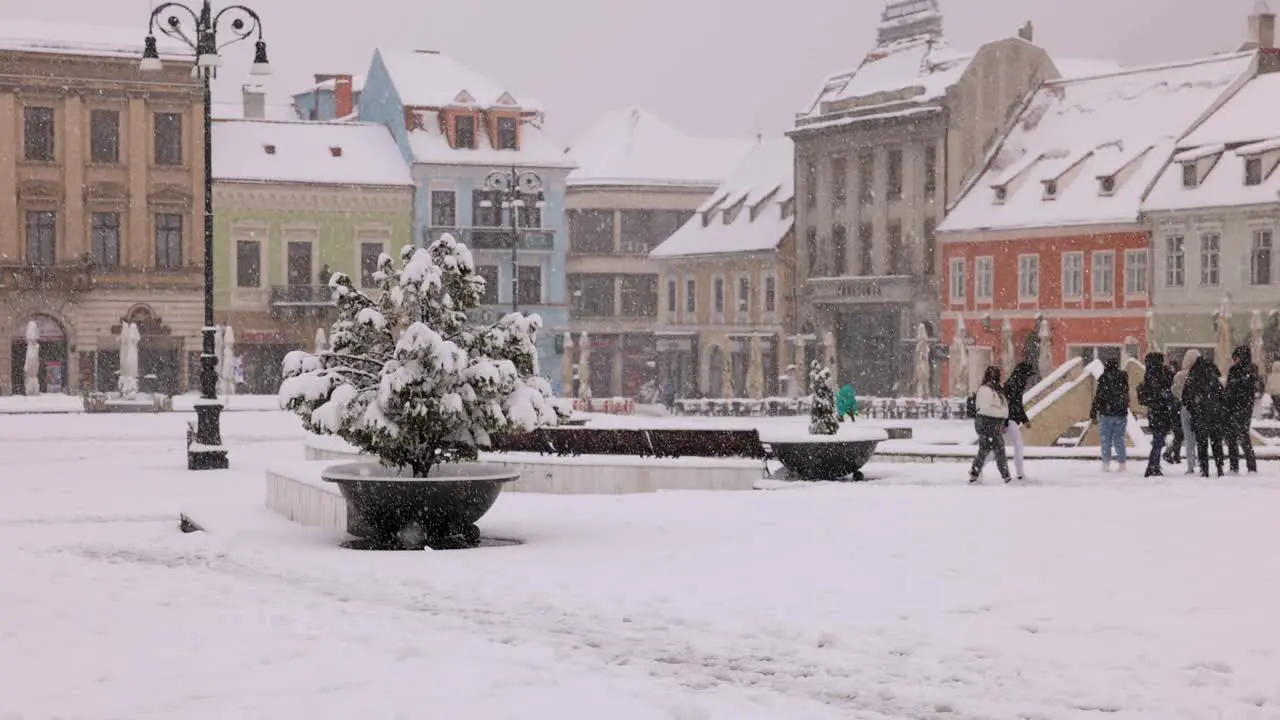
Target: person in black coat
{"points": [[1156, 393], [1205, 400], [1173, 453], [1111, 412], [1014, 388], [1244, 385]]}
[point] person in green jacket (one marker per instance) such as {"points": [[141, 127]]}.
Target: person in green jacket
{"points": [[846, 403]]}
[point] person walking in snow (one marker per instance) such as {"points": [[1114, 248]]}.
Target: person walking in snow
{"points": [[1179, 390], [1273, 389], [1173, 452], [1111, 412], [1156, 393], [1014, 388], [1204, 399], [1244, 386], [992, 415]]}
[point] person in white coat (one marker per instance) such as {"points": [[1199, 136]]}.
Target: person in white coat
{"points": [[1188, 434], [989, 422]]}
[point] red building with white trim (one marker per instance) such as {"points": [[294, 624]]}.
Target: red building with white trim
{"points": [[1052, 227]]}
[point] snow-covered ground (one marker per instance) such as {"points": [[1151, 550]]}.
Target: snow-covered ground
{"points": [[914, 596]]}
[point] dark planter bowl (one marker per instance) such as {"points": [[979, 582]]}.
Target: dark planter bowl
{"points": [[392, 509], [827, 460]]}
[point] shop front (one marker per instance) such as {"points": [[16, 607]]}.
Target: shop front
{"points": [[677, 354], [52, 354]]}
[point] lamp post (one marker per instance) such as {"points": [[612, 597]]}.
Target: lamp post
{"points": [[180, 22], [511, 190]]}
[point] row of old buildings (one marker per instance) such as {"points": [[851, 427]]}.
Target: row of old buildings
{"points": [[1003, 191]]}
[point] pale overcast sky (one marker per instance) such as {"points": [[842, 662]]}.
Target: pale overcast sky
{"points": [[712, 67]]}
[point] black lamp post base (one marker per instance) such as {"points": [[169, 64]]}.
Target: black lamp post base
{"points": [[206, 452]]}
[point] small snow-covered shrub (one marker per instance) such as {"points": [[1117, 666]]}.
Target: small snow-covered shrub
{"points": [[822, 415], [406, 378]]}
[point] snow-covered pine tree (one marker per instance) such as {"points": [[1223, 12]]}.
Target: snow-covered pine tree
{"points": [[407, 379], [822, 416]]}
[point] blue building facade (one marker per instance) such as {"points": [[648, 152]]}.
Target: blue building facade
{"points": [[454, 128]]}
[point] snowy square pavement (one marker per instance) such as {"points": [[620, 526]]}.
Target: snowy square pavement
{"points": [[915, 596]]}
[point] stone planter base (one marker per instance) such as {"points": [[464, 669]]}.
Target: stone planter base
{"points": [[390, 509], [830, 460]]}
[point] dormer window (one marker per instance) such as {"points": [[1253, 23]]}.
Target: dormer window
{"points": [[269, 149], [1253, 171], [1107, 185], [1190, 178], [507, 133], [1050, 189], [1002, 193], [335, 151], [464, 132]]}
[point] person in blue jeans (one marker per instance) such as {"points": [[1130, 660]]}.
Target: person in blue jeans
{"points": [[1111, 412]]}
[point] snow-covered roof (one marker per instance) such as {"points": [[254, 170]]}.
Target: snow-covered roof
{"points": [[95, 40], [1243, 128], [1121, 126], [322, 153], [752, 211], [430, 146], [632, 146], [1074, 68], [432, 79], [924, 65], [357, 85]]}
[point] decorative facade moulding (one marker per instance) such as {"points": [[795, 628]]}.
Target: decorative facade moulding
{"points": [[106, 192], [171, 195], [40, 191], [311, 198]]}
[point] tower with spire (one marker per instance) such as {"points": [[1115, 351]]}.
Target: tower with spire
{"points": [[905, 19]]}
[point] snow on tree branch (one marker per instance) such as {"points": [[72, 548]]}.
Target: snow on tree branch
{"points": [[406, 378]]}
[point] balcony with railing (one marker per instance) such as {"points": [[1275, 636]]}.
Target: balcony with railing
{"points": [[494, 238], [68, 277]]}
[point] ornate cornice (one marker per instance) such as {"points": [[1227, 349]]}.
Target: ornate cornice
{"points": [[311, 198]]}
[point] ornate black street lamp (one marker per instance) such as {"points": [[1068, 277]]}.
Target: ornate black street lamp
{"points": [[512, 190], [180, 22]]}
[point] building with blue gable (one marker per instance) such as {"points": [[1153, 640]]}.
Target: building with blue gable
{"points": [[455, 127], [331, 97]]}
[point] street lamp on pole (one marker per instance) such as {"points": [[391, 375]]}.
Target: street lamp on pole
{"points": [[511, 191], [180, 22]]}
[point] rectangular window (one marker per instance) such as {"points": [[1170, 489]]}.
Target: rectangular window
{"points": [[490, 275], [690, 295], [1073, 275], [1253, 171], [643, 230], [1189, 176], [866, 178], [104, 136], [811, 240], [839, 251], [1135, 272], [592, 294], [717, 296], [839, 180], [529, 285], [507, 133], [444, 208], [983, 279], [671, 296], [104, 231], [464, 132], [42, 238], [37, 133], [899, 263], [1175, 261], [369, 254], [590, 231], [1104, 274], [1210, 259], [744, 295], [1029, 277], [894, 189], [248, 264], [639, 296], [957, 280], [1260, 260], [770, 294], [168, 240], [484, 213], [168, 138], [810, 184], [866, 236], [298, 264], [529, 215], [930, 170]]}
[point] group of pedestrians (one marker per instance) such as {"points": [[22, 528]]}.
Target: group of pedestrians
{"points": [[1207, 411], [1202, 410]]}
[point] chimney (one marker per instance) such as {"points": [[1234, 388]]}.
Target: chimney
{"points": [[1262, 27], [343, 105], [255, 102], [1027, 32]]}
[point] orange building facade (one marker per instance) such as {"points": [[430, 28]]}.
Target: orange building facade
{"points": [[1091, 287]]}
